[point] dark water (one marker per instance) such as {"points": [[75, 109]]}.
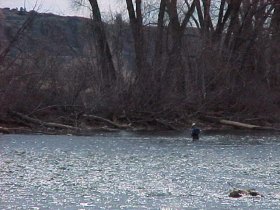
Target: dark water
{"points": [[138, 171]]}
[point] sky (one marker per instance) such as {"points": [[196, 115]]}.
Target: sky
{"points": [[60, 7]]}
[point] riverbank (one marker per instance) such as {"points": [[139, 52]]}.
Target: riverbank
{"points": [[18, 123]]}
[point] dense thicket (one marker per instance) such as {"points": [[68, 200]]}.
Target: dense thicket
{"points": [[186, 57], [235, 66]]}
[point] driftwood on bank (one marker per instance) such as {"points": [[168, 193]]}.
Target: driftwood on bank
{"points": [[247, 126], [42, 123], [114, 124], [237, 124], [6, 130], [167, 124]]}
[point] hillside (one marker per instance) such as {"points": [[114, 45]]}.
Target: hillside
{"points": [[55, 34], [69, 36]]}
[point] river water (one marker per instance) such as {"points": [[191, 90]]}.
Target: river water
{"points": [[139, 171]]}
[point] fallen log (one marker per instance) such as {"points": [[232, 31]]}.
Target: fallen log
{"points": [[248, 126], [42, 123], [166, 124], [237, 124], [107, 121], [4, 130]]}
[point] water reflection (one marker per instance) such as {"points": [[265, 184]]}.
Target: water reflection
{"points": [[138, 171]]}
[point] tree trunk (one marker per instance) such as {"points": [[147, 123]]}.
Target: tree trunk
{"points": [[174, 76], [159, 34], [275, 45], [207, 20], [158, 65], [136, 23], [222, 21], [234, 20], [200, 14], [103, 50]]}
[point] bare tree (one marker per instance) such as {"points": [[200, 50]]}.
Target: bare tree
{"points": [[174, 76], [274, 72], [103, 49], [136, 22]]}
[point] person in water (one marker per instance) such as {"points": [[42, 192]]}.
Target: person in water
{"points": [[195, 132]]}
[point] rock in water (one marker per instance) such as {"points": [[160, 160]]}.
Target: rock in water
{"points": [[237, 193]]}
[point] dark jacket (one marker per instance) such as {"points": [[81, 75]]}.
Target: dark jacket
{"points": [[195, 132]]}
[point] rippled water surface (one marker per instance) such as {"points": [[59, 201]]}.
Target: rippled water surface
{"points": [[138, 171]]}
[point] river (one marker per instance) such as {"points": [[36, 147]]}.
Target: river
{"points": [[164, 171]]}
